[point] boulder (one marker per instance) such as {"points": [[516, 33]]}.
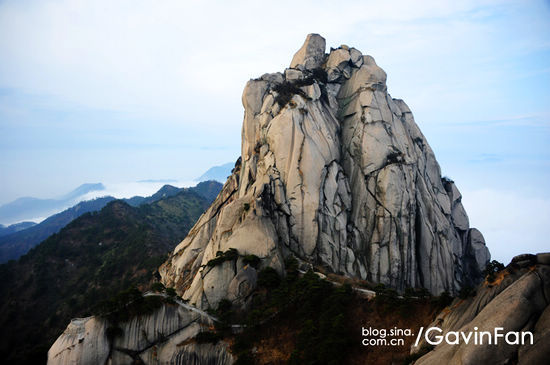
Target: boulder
{"points": [[338, 58], [293, 75], [368, 76], [356, 57], [312, 53], [242, 284]]}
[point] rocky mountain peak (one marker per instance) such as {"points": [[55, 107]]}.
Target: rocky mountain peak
{"points": [[335, 172], [312, 53]]}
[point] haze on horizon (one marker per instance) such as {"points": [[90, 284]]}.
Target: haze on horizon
{"points": [[137, 90]]}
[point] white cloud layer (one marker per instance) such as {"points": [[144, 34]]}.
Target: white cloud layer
{"points": [[121, 190]]}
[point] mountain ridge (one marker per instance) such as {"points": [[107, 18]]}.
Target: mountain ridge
{"points": [[30, 207], [13, 228], [15, 244], [218, 173]]}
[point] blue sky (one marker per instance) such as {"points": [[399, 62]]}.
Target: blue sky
{"points": [[103, 91]]}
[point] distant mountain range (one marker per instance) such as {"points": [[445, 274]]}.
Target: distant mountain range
{"points": [[15, 228], [218, 173], [20, 238], [28, 207], [12, 246], [19, 214]]}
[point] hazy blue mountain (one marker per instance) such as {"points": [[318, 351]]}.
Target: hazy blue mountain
{"points": [[29, 207], [218, 173], [16, 244], [207, 189], [164, 192], [83, 189], [4, 231]]}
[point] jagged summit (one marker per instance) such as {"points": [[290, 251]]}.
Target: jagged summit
{"points": [[335, 172], [312, 53]]}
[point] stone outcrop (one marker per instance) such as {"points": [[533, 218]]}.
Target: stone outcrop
{"points": [[335, 172], [164, 337], [518, 300], [312, 53]]}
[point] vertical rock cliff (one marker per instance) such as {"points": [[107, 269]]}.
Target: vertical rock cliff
{"points": [[335, 172]]}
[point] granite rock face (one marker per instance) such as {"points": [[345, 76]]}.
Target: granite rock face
{"points": [[164, 337], [312, 53], [335, 172], [518, 300]]}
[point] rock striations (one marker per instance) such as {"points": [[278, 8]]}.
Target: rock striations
{"points": [[163, 337], [335, 172]]}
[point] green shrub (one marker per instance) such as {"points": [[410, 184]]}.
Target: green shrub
{"points": [[424, 293], [394, 157], [221, 257], [224, 306], [320, 75], [285, 91], [491, 269], [254, 317], [268, 278], [245, 358], [207, 337], [444, 299], [113, 332], [291, 264], [171, 292], [493, 266], [318, 308], [252, 260], [241, 344], [466, 292], [379, 288], [387, 298], [127, 304], [409, 292], [157, 287], [420, 293]]}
